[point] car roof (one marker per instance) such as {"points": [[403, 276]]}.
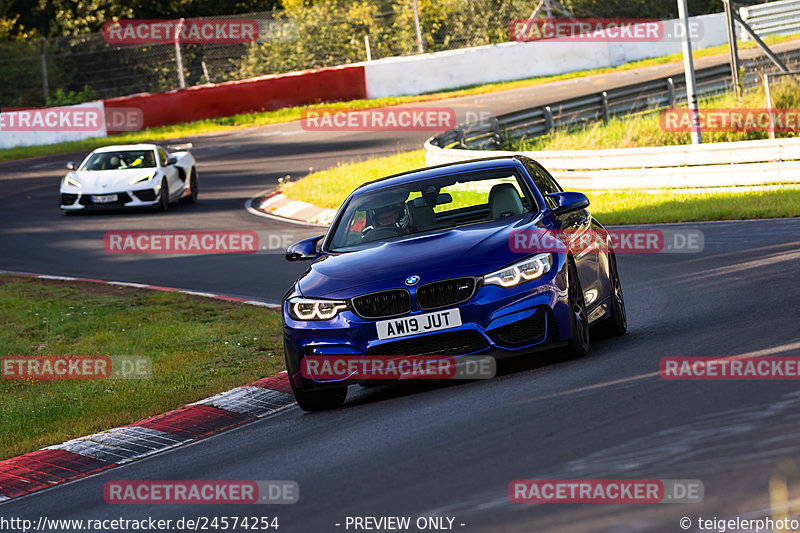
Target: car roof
{"points": [[123, 147], [475, 165]]}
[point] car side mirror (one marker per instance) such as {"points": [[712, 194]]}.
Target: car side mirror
{"points": [[303, 250], [569, 201], [71, 165], [171, 160]]}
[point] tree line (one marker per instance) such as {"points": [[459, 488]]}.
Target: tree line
{"points": [[25, 19], [296, 34]]}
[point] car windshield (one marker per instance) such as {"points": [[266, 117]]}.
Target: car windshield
{"points": [[121, 160], [443, 202]]}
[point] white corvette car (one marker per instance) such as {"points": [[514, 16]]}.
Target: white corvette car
{"points": [[135, 175]]}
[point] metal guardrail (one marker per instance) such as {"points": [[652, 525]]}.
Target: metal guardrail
{"points": [[760, 162], [499, 132], [743, 163], [781, 18]]}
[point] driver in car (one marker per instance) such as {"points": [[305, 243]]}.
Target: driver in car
{"points": [[387, 221], [388, 216]]}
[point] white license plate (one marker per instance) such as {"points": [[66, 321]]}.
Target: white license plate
{"points": [[104, 198], [414, 325]]}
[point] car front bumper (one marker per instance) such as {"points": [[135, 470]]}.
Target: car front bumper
{"points": [[496, 321], [70, 200]]}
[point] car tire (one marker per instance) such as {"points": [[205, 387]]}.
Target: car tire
{"points": [[319, 400], [163, 199], [578, 344], [192, 198], [616, 323]]}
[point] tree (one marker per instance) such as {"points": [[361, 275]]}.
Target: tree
{"points": [[319, 35], [57, 18]]}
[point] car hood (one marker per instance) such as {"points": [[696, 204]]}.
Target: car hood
{"points": [[102, 181], [466, 251]]}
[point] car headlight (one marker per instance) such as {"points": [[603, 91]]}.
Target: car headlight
{"points": [[134, 181], [308, 309], [526, 270], [71, 182]]}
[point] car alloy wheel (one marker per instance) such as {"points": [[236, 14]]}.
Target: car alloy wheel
{"points": [[617, 322], [578, 345], [163, 199]]}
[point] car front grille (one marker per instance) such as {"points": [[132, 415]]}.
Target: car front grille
{"points": [[147, 195], [122, 199], [528, 330], [459, 342], [382, 304], [446, 292], [68, 198]]}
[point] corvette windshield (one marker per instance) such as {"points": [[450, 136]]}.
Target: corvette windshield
{"points": [[121, 160], [439, 203]]}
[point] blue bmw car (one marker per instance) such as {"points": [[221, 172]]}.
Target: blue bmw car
{"points": [[423, 263]]}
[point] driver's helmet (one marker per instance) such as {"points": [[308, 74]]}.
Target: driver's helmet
{"points": [[394, 215]]}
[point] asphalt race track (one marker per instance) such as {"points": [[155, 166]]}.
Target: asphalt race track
{"points": [[452, 450]]}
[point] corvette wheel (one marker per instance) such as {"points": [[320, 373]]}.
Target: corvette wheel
{"points": [[319, 400], [578, 345], [617, 322], [163, 203], [192, 198]]}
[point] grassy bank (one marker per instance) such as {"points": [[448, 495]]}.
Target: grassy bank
{"points": [[329, 188], [647, 130], [198, 347], [676, 205], [295, 113]]}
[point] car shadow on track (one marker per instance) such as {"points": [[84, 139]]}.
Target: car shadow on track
{"points": [[505, 367]]}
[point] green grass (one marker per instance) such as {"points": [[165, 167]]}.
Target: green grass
{"points": [[329, 188], [199, 347], [676, 205], [223, 124]]}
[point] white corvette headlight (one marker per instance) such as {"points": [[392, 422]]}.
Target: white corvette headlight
{"points": [[309, 309], [71, 182], [134, 181], [525, 270]]}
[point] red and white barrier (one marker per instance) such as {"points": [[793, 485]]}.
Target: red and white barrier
{"points": [[418, 74], [265, 93]]}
